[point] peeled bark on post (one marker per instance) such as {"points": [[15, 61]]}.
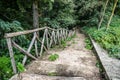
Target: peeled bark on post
{"points": [[115, 4], [103, 14], [35, 14]]}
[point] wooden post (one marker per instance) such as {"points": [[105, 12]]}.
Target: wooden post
{"points": [[47, 38], [54, 37], [41, 43], [74, 32], [36, 48], [41, 50], [23, 51], [30, 47], [66, 33], [57, 36], [60, 35], [9, 43], [51, 40], [63, 33], [69, 35]]}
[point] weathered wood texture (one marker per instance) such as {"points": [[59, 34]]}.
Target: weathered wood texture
{"points": [[23, 32], [23, 51], [29, 49], [50, 37], [9, 43], [43, 40]]}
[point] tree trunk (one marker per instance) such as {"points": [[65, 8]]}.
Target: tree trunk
{"points": [[35, 14], [115, 4], [103, 14]]}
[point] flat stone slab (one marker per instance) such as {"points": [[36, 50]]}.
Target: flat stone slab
{"points": [[24, 76], [61, 69], [111, 65]]}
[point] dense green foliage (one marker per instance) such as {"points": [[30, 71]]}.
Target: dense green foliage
{"points": [[59, 14], [6, 27], [88, 12], [16, 15], [110, 39], [5, 68]]}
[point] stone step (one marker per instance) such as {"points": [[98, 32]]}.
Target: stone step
{"points": [[24, 76], [61, 69]]}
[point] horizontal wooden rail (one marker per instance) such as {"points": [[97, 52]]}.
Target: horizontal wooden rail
{"points": [[22, 50], [8, 35], [56, 29], [53, 37]]}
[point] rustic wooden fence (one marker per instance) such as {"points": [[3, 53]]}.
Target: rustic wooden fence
{"points": [[51, 36]]}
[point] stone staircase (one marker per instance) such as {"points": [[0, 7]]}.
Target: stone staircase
{"points": [[74, 63], [57, 69], [45, 70]]}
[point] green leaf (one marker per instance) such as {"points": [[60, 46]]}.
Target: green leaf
{"points": [[20, 67]]}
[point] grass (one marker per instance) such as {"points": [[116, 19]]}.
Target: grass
{"points": [[53, 57], [88, 44], [102, 72], [52, 74]]}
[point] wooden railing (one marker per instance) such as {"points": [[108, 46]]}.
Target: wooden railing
{"points": [[51, 36]]}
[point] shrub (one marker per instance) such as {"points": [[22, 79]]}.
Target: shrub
{"points": [[88, 44], [110, 39], [5, 68], [53, 57]]}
